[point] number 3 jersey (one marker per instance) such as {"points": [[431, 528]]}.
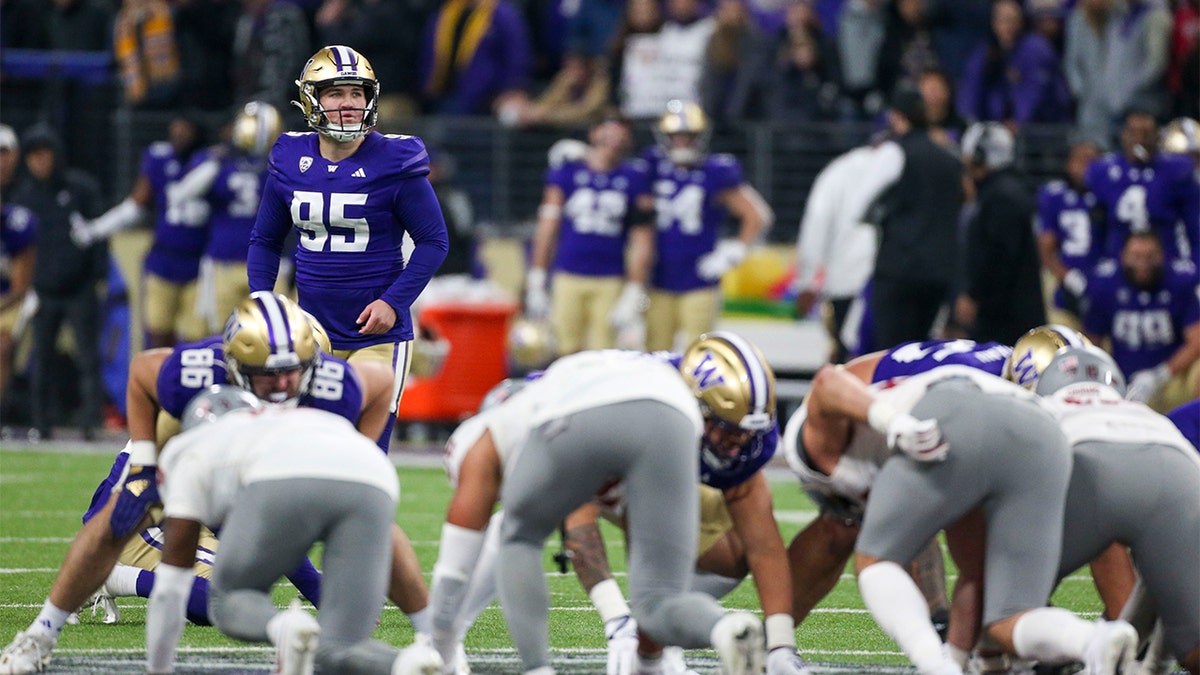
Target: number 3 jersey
{"points": [[350, 218], [195, 366], [689, 216], [596, 215]]}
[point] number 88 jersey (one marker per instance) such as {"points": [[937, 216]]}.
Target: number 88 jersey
{"points": [[195, 366]]}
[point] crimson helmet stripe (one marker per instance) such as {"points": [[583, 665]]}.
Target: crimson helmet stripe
{"points": [[759, 384], [278, 331]]}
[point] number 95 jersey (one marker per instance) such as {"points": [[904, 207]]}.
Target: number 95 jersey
{"points": [[690, 215], [195, 366]]}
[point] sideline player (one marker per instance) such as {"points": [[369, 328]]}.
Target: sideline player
{"points": [[593, 418], [276, 480], [694, 193], [351, 194], [268, 348]]}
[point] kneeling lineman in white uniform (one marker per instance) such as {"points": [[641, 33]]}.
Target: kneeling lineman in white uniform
{"points": [[592, 419], [276, 480]]}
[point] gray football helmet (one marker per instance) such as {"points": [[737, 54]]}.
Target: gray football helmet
{"points": [[210, 404], [1080, 364]]}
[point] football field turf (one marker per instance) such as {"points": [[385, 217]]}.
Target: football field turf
{"points": [[44, 491]]}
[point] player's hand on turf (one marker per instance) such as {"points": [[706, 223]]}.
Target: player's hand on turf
{"points": [[376, 318], [139, 493], [785, 661], [920, 439], [622, 637]]}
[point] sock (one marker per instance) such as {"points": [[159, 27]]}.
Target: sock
{"points": [[50, 620], [420, 621], [274, 630], [197, 604], [123, 581], [902, 612], [1052, 635], [385, 439], [143, 584], [714, 585], [307, 580]]}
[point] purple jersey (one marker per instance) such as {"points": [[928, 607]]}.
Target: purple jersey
{"points": [[18, 227], [195, 366], [1065, 213], [689, 216], [179, 232], [1162, 196], [596, 215], [1187, 418], [233, 202], [912, 358], [350, 218], [1146, 327]]}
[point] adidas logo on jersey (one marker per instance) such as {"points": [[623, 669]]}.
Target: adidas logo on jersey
{"points": [[359, 173]]}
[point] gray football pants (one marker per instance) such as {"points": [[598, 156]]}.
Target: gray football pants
{"points": [[1006, 455], [652, 447], [271, 528], [1146, 497]]}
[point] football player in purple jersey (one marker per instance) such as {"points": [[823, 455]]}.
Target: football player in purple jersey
{"points": [[1149, 309], [351, 194], [1068, 242], [173, 262], [592, 209], [229, 177], [694, 193], [271, 348], [1142, 189], [18, 252]]}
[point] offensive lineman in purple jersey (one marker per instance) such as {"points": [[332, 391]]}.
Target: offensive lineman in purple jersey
{"points": [[591, 209], [18, 253], [1150, 310], [1142, 190], [694, 193], [351, 195], [173, 262], [229, 177], [270, 348], [1068, 241]]}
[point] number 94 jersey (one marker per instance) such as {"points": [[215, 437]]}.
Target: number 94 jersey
{"points": [[689, 215], [195, 366]]}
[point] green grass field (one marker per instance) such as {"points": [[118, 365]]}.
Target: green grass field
{"points": [[44, 492]]}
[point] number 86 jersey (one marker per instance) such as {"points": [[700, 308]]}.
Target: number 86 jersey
{"points": [[195, 366]]}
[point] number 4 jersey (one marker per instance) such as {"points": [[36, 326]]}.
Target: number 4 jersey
{"points": [[350, 217], [194, 366]]}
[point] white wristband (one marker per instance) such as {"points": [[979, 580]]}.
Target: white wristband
{"points": [[781, 631], [609, 601], [880, 415], [535, 277], [142, 453]]}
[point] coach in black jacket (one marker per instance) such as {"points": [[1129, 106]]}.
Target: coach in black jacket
{"points": [[65, 276], [1002, 293]]}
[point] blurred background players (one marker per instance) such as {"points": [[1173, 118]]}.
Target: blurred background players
{"points": [[65, 278], [1068, 241], [228, 177], [18, 253], [1149, 309], [173, 263], [1002, 292], [351, 194], [694, 193], [597, 213]]}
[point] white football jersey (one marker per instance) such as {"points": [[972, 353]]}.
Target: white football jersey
{"points": [[1094, 412], [202, 470]]}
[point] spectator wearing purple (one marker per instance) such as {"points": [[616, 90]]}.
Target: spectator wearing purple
{"points": [[1016, 77], [477, 59], [591, 30], [1046, 17]]}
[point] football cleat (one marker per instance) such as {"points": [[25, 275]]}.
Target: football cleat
{"points": [[331, 66], [100, 601], [29, 652], [740, 643], [296, 651], [1033, 351], [1111, 649], [673, 662], [419, 659]]}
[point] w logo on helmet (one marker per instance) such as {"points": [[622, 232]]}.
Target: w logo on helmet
{"points": [[1025, 370], [706, 373]]}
